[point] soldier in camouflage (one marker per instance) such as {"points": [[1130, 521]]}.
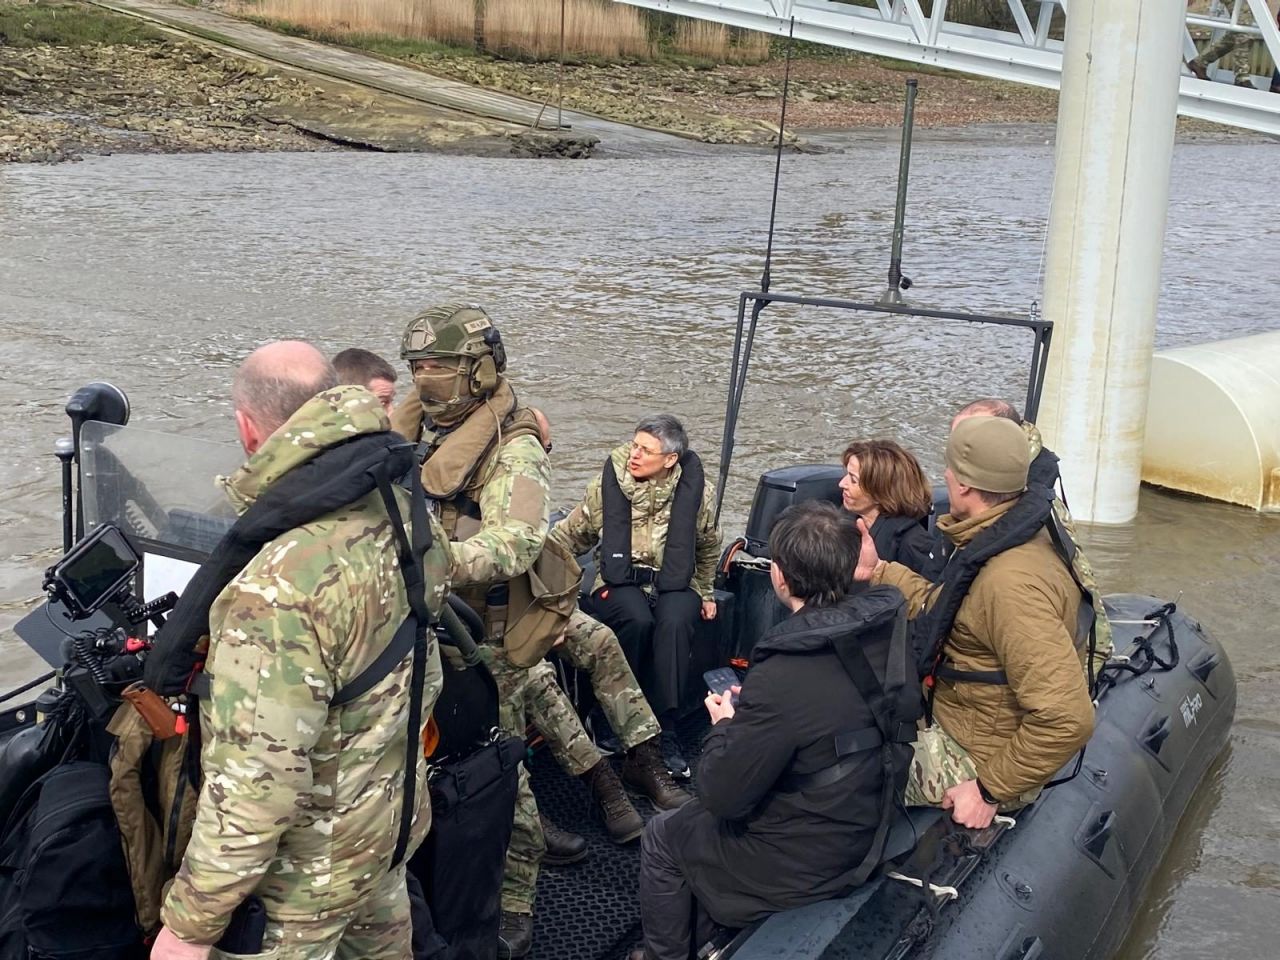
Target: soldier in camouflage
{"points": [[1010, 705], [302, 800], [1237, 43], [484, 464]]}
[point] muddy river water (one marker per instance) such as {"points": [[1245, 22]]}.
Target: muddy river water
{"points": [[615, 284]]}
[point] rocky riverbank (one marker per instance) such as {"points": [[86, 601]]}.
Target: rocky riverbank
{"points": [[76, 80], [740, 104], [60, 102]]}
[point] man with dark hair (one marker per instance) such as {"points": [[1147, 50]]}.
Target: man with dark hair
{"points": [[304, 804], [790, 789], [357, 365], [1008, 694], [650, 515], [1043, 469]]}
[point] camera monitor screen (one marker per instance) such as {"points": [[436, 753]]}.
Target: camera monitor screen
{"points": [[95, 570]]}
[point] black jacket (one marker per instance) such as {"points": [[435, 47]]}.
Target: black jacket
{"points": [[907, 541], [748, 845]]}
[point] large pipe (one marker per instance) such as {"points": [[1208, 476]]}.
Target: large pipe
{"points": [[1116, 119]]}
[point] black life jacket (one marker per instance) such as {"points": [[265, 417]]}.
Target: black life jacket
{"points": [[679, 549], [1033, 511], [876, 654]]}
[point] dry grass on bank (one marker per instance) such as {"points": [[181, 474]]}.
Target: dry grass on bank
{"points": [[700, 38], [528, 29]]}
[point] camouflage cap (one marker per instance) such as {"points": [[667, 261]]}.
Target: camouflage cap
{"points": [[448, 330]]}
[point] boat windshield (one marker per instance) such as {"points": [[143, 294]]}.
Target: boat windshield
{"points": [[157, 487]]}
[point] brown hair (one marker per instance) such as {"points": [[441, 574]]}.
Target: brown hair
{"points": [[891, 477], [360, 366]]}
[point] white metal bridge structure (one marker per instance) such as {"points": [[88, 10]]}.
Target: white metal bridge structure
{"points": [[917, 32]]}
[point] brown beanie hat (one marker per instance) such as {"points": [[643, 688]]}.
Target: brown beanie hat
{"points": [[989, 453]]}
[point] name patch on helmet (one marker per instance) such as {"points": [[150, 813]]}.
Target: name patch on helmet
{"points": [[474, 326]]}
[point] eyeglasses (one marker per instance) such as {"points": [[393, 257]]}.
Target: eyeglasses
{"points": [[641, 448]]}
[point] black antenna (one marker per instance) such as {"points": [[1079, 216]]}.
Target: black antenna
{"points": [[738, 370], [897, 282], [777, 163]]}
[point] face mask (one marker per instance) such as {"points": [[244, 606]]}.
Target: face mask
{"points": [[445, 394]]}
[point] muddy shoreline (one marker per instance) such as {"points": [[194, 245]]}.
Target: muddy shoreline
{"points": [[132, 88]]}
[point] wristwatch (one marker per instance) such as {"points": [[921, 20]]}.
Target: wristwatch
{"points": [[986, 794]]}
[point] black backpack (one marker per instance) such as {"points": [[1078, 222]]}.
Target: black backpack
{"points": [[64, 885]]}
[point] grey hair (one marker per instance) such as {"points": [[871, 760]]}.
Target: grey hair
{"points": [[272, 398], [668, 430]]}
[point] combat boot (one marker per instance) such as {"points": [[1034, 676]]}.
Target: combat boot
{"points": [[646, 771], [563, 847], [515, 935], [621, 821]]}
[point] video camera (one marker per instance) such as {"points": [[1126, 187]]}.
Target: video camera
{"points": [[97, 575]]}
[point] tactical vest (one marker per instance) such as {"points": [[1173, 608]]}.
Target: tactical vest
{"points": [[527, 613], [679, 550]]}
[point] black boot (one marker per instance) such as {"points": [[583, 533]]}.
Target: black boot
{"points": [[563, 847], [515, 935], [646, 771], [621, 821]]}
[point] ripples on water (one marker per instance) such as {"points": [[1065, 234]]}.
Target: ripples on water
{"points": [[615, 284]]}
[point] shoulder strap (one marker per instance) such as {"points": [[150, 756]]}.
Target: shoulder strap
{"points": [[1067, 550], [411, 569], [392, 654], [882, 703]]}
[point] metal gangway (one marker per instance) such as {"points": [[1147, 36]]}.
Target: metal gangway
{"points": [[921, 32]]}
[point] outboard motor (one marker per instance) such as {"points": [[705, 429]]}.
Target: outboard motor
{"points": [[779, 489], [745, 565]]}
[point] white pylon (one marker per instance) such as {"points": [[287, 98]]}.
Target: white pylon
{"points": [[1116, 122]]}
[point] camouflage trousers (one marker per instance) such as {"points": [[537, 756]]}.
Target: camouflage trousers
{"points": [[1236, 43], [379, 929], [591, 647], [528, 844], [938, 764]]}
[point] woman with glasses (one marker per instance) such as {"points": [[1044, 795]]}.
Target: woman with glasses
{"points": [[650, 516]]}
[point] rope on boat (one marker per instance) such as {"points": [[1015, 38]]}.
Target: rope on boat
{"points": [[38, 681]]}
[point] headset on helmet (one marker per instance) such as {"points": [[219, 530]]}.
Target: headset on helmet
{"points": [[458, 330]]}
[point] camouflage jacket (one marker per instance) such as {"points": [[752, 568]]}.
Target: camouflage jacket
{"points": [[650, 514], [506, 478], [302, 802]]}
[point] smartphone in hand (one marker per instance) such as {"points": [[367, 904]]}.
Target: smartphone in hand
{"points": [[721, 679]]}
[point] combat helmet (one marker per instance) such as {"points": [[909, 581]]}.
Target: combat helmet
{"points": [[453, 330]]}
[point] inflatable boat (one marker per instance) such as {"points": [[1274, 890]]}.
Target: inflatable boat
{"points": [[1063, 879]]}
